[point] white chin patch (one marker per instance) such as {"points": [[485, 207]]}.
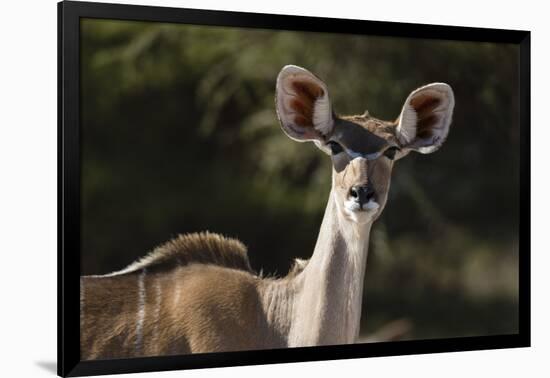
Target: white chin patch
{"points": [[360, 214], [371, 205]]}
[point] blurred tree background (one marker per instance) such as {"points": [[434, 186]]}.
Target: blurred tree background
{"points": [[180, 134]]}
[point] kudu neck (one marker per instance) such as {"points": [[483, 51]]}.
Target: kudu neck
{"points": [[327, 303]]}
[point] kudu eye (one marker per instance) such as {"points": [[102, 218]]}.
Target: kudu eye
{"points": [[335, 148], [390, 152]]}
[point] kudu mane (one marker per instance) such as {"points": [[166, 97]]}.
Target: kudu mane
{"points": [[197, 248]]}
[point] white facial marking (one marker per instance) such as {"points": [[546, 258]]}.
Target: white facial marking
{"points": [[354, 155], [360, 213], [374, 155], [371, 205]]}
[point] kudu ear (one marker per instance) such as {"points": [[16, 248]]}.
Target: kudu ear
{"points": [[303, 105], [425, 119]]}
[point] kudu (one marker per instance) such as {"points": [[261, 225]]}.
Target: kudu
{"points": [[197, 293]]}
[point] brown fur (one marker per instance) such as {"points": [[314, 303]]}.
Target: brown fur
{"points": [[194, 274], [383, 129]]}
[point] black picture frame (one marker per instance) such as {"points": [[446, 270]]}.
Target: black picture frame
{"points": [[69, 14]]}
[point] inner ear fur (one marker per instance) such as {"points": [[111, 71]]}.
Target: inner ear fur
{"points": [[303, 105], [426, 117]]}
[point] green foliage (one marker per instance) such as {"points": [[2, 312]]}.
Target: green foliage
{"points": [[180, 134]]}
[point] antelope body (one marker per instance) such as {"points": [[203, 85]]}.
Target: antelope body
{"points": [[197, 293]]}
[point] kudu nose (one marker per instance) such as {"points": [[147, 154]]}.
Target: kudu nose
{"points": [[361, 193]]}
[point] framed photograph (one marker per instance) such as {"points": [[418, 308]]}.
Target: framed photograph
{"points": [[239, 188]]}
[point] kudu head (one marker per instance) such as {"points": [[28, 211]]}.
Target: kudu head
{"points": [[363, 149]]}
